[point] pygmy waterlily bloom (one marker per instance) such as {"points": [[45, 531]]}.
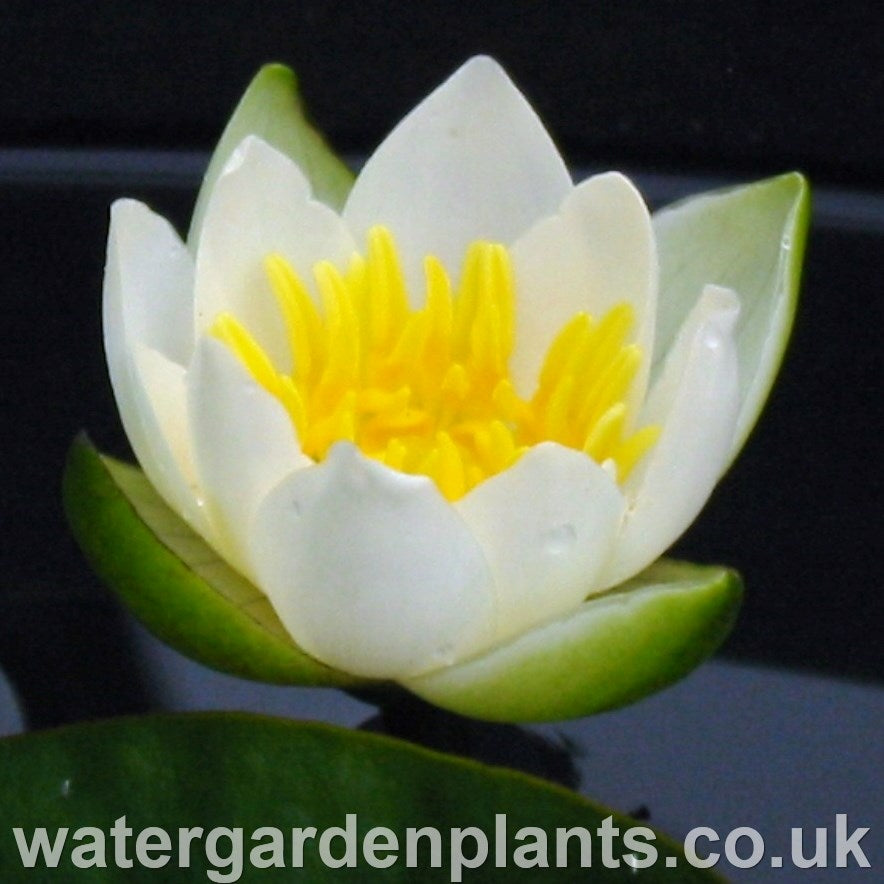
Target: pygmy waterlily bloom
{"points": [[438, 418]]}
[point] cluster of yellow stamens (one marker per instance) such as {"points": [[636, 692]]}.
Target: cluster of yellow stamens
{"points": [[428, 391]]}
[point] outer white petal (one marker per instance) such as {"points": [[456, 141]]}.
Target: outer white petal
{"points": [[372, 571], [243, 444], [261, 203], [471, 161], [695, 401], [597, 251], [146, 267], [149, 280], [546, 526], [158, 395]]}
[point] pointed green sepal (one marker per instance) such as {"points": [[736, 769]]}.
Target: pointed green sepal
{"points": [[615, 649], [272, 109], [750, 239], [173, 581]]}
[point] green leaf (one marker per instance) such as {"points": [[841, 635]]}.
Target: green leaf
{"points": [[249, 772], [618, 647], [173, 581], [271, 108], [750, 239]]}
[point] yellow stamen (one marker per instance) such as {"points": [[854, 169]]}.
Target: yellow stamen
{"points": [[428, 390]]}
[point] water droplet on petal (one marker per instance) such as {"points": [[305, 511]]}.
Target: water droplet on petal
{"points": [[444, 654], [559, 538]]}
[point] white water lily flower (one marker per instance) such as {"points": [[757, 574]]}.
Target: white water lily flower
{"points": [[439, 418]]}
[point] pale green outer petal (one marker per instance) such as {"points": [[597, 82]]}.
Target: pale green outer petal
{"points": [[271, 108], [146, 265], [261, 204], [244, 443], [173, 580], [471, 161], [750, 239], [372, 571], [546, 526], [611, 651], [694, 401], [596, 252]]}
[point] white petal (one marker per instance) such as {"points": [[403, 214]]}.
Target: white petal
{"points": [[372, 571], [261, 203], [749, 239], [546, 526], [695, 401], [147, 268], [149, 277], [471, 161], [596, 252], [243, 444], [164, 447]]}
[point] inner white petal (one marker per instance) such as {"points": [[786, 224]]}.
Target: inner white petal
{"points": [[695, 401], [546, 526], [596, 252], [244, 443], [471, 161], [261, 204]]}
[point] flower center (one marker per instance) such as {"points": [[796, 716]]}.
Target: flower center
{"points": [[428, 391]]}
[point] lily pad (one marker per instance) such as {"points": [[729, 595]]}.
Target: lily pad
{"points": [[271, 108], [250, 773]]}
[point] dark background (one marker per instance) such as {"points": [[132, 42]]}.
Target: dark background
{"points": [[115, 99]]}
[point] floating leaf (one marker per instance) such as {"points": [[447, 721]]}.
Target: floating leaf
{"points": [[248, 773]]}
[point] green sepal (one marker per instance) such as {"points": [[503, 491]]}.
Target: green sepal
{"points": [[616, 648], [173, 581], [750, 239], [272, 109], [251, 772]]}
